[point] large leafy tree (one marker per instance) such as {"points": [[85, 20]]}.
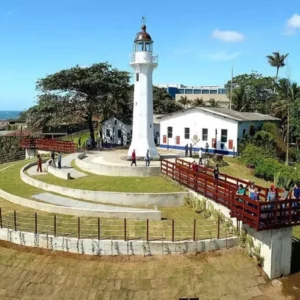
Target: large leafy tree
{"points": [[277, 61], [79, 94], [255, 92], [163, 102]]}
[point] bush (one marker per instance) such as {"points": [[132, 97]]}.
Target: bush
{"points": [[267, 168], [252, 155]]}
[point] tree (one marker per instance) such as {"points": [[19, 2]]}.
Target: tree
{"points": [[184, 101], [198, 102], [163, 102], [258, 92], [78, 94], [289, 96], [213, 103], [278, 61], [239, 99]]}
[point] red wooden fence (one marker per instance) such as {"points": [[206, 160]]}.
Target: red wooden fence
{"points": [[48, 145], [260, 215]]}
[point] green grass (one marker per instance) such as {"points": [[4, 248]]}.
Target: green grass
{"points": [[110, 228], [154, 184], [75, 137], [237, 168]]}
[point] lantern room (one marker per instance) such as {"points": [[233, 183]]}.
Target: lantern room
{"points": [[143, 41]]}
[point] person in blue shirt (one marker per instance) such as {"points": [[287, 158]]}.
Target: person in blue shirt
{"points": [[296, 194]]}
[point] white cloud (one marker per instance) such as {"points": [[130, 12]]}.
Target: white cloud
{"points": [[292, 24], [223, 56], [228, 36]]}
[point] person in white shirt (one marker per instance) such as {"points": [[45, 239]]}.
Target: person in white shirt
{"points": [[200, 157]]}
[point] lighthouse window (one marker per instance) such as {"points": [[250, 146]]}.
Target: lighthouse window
{"points": [[137, 76], [170, 132]]}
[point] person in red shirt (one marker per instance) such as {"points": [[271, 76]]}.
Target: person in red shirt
{"points": [[133, 158], [39, 163], [194, 166]]}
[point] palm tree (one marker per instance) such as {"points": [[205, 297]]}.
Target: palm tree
{"points": [[184, 101], [213, 103], [288, 93], [277, 60], [239, 99], [198, 102]]}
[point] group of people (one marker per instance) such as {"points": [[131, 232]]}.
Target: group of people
{"points": [[146, 159], [51, 162]]}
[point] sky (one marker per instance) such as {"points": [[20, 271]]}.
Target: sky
{"points": [[197, 41]]}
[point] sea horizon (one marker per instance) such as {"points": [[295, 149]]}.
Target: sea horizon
{"points": [[9, 114]]}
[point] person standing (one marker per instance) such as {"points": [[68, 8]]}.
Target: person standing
{"points": [[186, 150], [216, 172], [133, 158], [59, 160], [191, 150], [147, 158], [39, 163], [79, 142], [200, 157], [53, 159]]}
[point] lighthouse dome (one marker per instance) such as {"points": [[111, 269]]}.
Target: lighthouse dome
{"points": [[143, 35]]}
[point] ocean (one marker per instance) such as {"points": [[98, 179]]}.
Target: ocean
{"points": [[6, 115]]}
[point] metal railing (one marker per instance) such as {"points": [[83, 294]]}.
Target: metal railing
{"points": [[260, 215], [154, 58], [112, 229]]}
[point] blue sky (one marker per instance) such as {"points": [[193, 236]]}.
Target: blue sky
{"points": [[197, 41]]}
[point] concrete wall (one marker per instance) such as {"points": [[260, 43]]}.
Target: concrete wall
{"points": [[276, 249], [79, 212], [129, 199], [196, 121], [110, 247], [59, 173], [276, 244], [115, 170]]}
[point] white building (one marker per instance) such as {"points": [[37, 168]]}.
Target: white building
{"points": [[143, 62], [216, 129], [118, 132]]}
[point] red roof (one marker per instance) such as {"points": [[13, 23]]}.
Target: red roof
{"points": [[20, 132]]}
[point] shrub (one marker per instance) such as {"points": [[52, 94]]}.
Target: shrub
{"points": [[267, 168], [252, 155]]}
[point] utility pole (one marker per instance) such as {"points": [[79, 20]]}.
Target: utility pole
{"points": [[231, 87]]}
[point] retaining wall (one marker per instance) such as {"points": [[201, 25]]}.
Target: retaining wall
{"points": [[110, 247], [114, 170], [59, 173], [79, 212], [127, 199]]}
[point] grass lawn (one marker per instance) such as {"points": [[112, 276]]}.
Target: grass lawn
{"points": [[110, 228], [237, 168], [154, 184]]}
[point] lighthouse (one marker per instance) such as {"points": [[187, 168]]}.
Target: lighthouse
{"points": [[143, 63]]}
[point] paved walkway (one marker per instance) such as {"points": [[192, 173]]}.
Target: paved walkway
{"points": [[66, 167], [63, 201]]}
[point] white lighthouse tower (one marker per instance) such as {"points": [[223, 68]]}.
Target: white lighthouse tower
{"points": [[143, 62]]}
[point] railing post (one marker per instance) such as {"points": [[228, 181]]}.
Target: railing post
{"points": [[173, 230], [15, 220], [78, 228], [258, 215], [54, 226], [218, 227], [98, 229], [0, 217], [147, 230], [35, 223], [125, 230], [194, 232]]}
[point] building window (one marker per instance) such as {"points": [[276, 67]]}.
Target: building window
{"points": [[137, 76], [204, 134], [170, 132], [205, 91], [116, 122], [244, 132], [188, 91], [224, 136], [180, 91], [108, 132], [187, 133], [119, 133], [213, 92]]}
